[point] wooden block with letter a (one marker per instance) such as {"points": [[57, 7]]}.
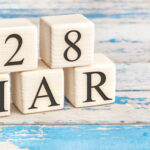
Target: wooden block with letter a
{"points": [[4, 94], [38, 90], [91, 85], [66, 41], [18, 45]]}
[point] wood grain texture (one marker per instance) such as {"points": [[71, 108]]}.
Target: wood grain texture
{"points": [[122, 33], [133, 76], [76, 137], [67, 41], [129, 108], [38, 90], [92, 85], [121, 25], [123, 40], [8, 145], [108, 8], [18, 45]]}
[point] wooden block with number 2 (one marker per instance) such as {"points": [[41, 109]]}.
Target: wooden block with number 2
{"points": [[18, 45], [66, 41]]}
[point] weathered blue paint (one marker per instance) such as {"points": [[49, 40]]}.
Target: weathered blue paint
{"points": [[78, 137], [147, 103], [141, 103], [130, 90], [13, 13], [120, 15], [125, 99], [120, 40], [92, 108], [119, 50], [66, 108]]}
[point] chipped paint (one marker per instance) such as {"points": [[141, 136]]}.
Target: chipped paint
{"points": [[121, 40], [78, 137], [128, 36], [10, 146]]}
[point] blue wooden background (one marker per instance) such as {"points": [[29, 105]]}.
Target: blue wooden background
{"points": [[122, 33], [78, 137]]}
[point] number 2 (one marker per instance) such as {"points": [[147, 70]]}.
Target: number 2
{"points": [[19, 39]]}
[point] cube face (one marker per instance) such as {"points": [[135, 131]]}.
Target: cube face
{"points": [[18, 45], [95, 75], [4, 95], [91, 85], [41, 90], [71, 41]]}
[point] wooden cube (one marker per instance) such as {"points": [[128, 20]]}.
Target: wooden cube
{"points": [[4, 94], [91, 85], [38, 90], [66, 41], [18, 45]]}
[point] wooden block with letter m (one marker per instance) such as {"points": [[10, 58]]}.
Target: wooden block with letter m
{"points": [[4, 94]]}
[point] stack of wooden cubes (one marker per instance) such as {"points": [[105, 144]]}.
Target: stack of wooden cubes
{"points": [[67, 68]]}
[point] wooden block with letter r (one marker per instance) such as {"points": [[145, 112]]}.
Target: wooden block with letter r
{"points": [[66, 41], [91, 85], [18, 45], [38, 90], [4, 94]]}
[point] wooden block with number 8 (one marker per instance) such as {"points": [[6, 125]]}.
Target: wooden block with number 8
{"points": [[18, 45], [66, 41], [91, 85], [38, 90]]}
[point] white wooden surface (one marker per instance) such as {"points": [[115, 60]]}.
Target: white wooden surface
{"points": [[129, 108], [123, 34], [132, 104], [123, 40]]}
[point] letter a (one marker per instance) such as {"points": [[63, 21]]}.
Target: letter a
{"points": [[49, 94]]}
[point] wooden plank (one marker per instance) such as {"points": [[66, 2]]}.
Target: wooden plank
{"points": [[133, 76], [75, 137], [91, 8], [130, 75], [129, 108], [121, 40], [94, 12], [122, 27], [107, 8]]}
